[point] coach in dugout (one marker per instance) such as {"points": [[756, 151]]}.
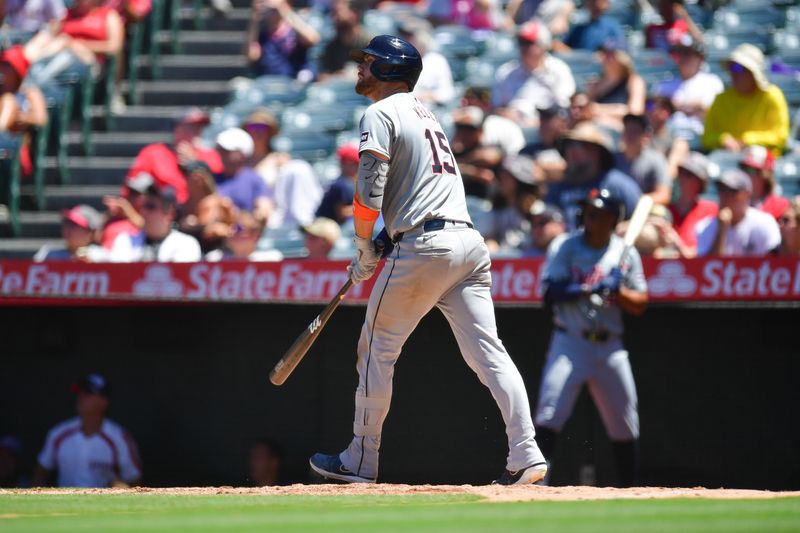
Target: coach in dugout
{"points": [[89, 450]]}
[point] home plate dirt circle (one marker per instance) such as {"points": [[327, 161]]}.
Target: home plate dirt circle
{"points": [[491, 493]]}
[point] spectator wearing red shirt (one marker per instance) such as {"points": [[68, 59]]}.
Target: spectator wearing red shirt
{"points": [[689, 208], [676, 23], [132, 11], [759, 164], [167, 163]]}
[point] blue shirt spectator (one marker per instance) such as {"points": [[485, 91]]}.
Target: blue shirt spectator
{"points": [[599, 29], [590, 165], [278, 40]]}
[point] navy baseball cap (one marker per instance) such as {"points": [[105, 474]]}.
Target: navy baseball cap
{"points": [[92, 384]]}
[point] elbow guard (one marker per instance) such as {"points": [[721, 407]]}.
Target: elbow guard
{"points": [[372, 173]]}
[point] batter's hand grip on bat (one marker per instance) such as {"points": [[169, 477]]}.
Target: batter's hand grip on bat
{"points": [[286, 365]]}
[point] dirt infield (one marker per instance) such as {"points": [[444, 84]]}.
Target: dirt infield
{"points": [[491, 493]]}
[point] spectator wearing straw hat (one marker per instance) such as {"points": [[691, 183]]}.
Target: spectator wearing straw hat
{"points": [[759, 164], [751, 111], [320, 237], [589, 153]]}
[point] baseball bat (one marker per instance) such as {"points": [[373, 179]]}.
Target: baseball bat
{"points": [[635, 226], [286, 365]]}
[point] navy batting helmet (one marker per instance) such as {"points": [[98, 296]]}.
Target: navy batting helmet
{"points": [[606, 200], [395, 59]]}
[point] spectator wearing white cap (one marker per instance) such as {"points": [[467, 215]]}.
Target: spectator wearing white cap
{"points": [[751, 111], [238, 181], [79, 229], [738, 229], [759, 164], [536, 80]]}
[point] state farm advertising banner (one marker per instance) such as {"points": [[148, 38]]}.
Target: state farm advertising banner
{"points": [[514, 281]]}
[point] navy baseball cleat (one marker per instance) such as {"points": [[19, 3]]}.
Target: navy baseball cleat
{"points": [[331, 467], [526, 476]]}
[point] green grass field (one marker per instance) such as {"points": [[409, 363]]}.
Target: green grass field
{"points": [[110, 513]]}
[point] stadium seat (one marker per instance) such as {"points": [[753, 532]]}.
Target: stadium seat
{"points": [[290, 241], [335, 91], [790, 85], [722, 160], [317, 117], [311, 146], [755, 15], [787, 174]]}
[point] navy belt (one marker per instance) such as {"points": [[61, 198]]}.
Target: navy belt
{"points": [[591, 335], [434, 224]]}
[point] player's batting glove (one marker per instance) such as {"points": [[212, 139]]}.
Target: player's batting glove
{"points": [[363, 265], [383, 243], [611, 283]]}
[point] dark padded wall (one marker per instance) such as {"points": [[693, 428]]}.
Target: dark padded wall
{"points": [[717, 390]]}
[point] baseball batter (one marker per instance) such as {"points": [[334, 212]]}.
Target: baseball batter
{"points": [[586, 348], [407, 172]]}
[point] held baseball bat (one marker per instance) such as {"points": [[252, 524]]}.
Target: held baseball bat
{"points": [[635, 226], [298, 349]]}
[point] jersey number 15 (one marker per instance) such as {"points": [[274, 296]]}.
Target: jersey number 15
{"points": [[440, 164]]}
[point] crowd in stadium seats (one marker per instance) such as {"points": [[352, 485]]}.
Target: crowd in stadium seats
{"points": [[542, 101]]}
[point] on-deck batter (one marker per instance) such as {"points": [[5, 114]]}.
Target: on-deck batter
{"points": [[586, 347], [408, 172]]}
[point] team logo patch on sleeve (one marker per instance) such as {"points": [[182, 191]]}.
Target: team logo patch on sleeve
{"points": [[364, 136]]}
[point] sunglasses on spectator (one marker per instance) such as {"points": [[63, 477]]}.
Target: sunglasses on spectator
{"points": [[150, 206], [736, 68], [257, 128], [785, 220], [239, 229], [751, 171]]}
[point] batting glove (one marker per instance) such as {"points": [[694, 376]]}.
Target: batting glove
{"points": [[611, 283], [363, 265]]}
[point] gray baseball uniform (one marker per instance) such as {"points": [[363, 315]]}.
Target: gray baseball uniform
{"points": [[439, 261], [587, 341]]}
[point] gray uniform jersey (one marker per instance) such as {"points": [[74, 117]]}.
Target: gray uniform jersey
{"points": [[574, 260], [423, 181]]}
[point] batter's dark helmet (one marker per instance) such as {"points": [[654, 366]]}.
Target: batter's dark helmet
{"points": [[606, 200], [396, 59]]}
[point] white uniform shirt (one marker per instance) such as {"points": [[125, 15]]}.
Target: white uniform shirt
{"points": [[423, 181], [755, 235], [177, 247], [90, 460], [524, 91], [436, 79]]}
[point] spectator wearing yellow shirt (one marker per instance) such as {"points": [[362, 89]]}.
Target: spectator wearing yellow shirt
{"points": [[751, 111]]}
